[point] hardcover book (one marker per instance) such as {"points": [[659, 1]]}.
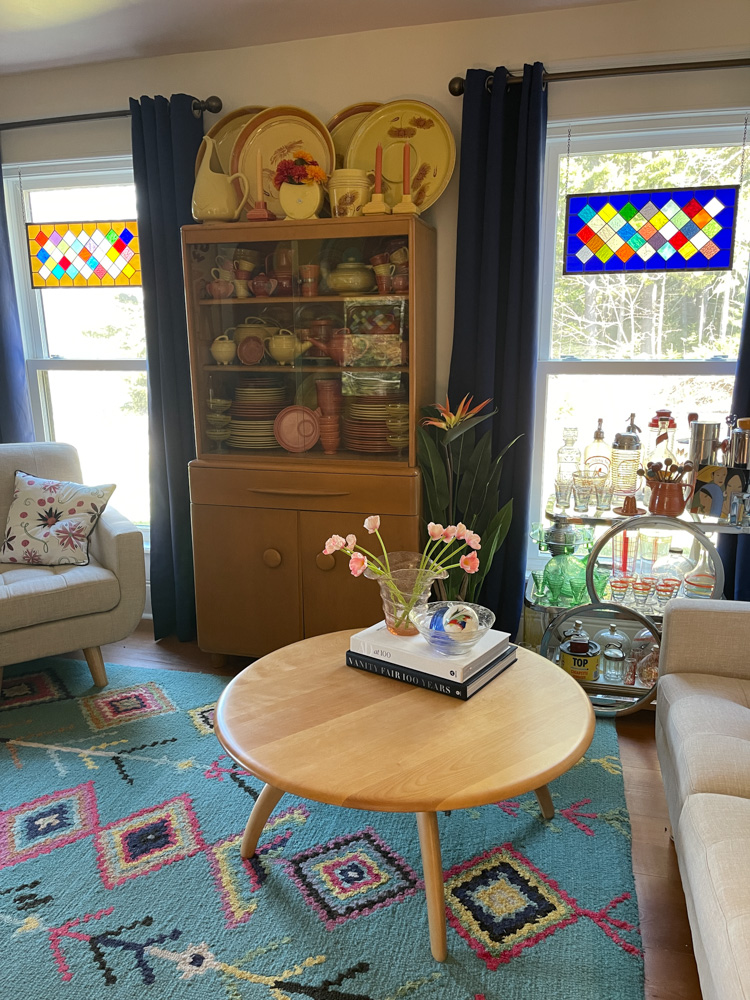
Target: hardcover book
{"points": [[456, 689], [415, 652]]}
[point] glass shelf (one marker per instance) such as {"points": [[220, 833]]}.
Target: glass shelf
{"points": [[608, 518]]}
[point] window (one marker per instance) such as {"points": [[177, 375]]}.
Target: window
{"points": [[85, 346], [614, 344]]}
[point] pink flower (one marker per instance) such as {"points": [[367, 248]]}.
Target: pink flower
{"points": [[435, 531], [351, 541], [473, 540], [334, 543], [372, 523], [460, 530], [469, 563], [449, 533], [357, 564]]}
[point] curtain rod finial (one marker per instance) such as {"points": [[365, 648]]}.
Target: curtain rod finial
{"points": [[456, 86], [211, 104]]}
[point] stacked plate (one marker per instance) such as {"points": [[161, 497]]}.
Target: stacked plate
{"points": [[364, 425], [258, 400]]}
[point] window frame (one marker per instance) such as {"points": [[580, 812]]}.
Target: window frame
{"points": [[602, 135]]}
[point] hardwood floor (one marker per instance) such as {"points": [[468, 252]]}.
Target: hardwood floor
{"points": [[670, 968]]}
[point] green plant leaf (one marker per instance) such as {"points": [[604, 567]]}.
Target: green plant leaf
{"points": [[461, 449], [491, 542], [466, 425], [435, 511], [474, 479], [433, 467]]}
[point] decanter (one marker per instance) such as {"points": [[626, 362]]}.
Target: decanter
{"points": [[700, 581], [568, 456]]}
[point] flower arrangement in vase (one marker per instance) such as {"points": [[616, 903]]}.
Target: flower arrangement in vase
{"points": [[300, 183], [406, 578]]}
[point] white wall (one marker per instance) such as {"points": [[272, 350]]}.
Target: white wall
{"points": [[324, 75]]}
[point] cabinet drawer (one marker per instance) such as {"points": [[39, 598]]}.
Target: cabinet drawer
{"points": [[377, 494]]}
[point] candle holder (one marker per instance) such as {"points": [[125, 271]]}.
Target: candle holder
{"points": [[377, 205], [406, 206], [261, 212]]}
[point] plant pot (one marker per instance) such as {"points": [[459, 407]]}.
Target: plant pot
{"points": [[404, 588], [301, 201]]}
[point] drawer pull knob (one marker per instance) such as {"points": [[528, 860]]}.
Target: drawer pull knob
{"points": [[324, 562], [272, 558]]}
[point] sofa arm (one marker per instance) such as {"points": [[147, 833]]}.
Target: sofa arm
{"points": [[706, 637], [117, 544]]}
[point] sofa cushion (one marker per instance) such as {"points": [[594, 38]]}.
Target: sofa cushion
{"points": [[30, 595], [713, 847], [705, 722]]}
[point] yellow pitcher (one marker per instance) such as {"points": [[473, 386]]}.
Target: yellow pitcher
{"points": [[214, 195]]}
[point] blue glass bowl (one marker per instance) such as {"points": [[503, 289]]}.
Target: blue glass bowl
{"points": [[450, 643]]}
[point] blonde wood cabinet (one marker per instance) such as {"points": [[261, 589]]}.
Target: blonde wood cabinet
{"points": [[272, 480]]}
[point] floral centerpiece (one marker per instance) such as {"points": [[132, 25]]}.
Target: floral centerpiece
{"points": [[300, 184], [303, 169], [406, 578]]}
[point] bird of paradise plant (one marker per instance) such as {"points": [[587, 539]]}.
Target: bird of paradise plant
{"points": [[461, 479]]}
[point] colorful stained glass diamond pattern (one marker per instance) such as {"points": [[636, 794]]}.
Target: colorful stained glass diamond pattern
{"points": [[79, 254], [664, 230]]}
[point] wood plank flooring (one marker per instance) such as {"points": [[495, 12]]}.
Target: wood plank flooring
{"points": [[670, 967]]}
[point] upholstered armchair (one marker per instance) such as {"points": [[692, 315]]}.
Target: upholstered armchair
{"points": [[48, 610]]}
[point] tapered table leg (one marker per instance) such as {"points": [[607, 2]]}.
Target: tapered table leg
{"points": [[432, 866], [545, 801], [264, 806]]}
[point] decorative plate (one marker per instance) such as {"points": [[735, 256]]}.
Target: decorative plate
{"points": [[296, 428], [344, 124], [250, 350], [277, 132], [224, 132], [433, 149]]}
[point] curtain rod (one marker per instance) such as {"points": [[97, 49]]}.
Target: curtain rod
{"points": [[212, 104], [456, 85]]}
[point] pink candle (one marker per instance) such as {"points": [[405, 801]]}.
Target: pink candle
{"points": [[378, 169], [259, 176], [407, 168]]}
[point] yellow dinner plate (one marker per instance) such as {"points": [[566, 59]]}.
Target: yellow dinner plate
{"points": [[432, 156], [224, 132], [344, 124]]}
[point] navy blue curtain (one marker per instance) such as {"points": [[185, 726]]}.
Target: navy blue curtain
{"points": [[495, 329], [735, 550], [16, 424], [166, 136]]}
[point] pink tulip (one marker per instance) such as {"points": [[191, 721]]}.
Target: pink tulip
{"points": [[449, 533], [460, 530], [351, 541], [372, 523], [358, 564], [473, 540], [469, 563], [435, 531], [334, 543]]}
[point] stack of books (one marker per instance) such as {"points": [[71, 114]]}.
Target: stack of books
{"points": [[411, 659]]}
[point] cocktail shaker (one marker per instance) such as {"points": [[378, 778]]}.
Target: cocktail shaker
{"points": [[704, 444]]}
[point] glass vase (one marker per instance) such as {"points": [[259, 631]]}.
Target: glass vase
{"points": [[407, 585]]}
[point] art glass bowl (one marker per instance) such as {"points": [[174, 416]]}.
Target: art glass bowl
{"points": [[450, 643]]}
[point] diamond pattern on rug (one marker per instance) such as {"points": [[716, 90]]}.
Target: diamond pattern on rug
{"points": [[128, 704], [203, 718], [32, 689], [48, 822], [500, 903], [351, 876], [148, 840]]}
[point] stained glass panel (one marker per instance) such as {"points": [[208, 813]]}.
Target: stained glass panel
{"points": [[671, 229], [84, 254]]}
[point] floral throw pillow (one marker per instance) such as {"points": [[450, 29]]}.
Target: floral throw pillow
{"points": [[50, 522]]}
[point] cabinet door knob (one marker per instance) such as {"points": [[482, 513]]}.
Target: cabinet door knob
{"points": [[272, 558], [324, 562]]}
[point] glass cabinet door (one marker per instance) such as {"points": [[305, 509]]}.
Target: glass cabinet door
{"points": [[301, 343]]}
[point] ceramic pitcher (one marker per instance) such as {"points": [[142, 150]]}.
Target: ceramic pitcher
{"points": [[214, 196]]}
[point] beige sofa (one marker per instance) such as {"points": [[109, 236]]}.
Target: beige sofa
{"points": [[703, 741], [48, 610]]}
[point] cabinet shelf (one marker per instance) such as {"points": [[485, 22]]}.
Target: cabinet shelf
{"points": [[294, 369], [300, 300]]}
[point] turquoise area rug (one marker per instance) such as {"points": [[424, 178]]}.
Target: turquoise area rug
{"points": [[121, 877]]}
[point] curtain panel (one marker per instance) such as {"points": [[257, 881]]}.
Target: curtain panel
{"points": [[495, 331], [166, 136]]}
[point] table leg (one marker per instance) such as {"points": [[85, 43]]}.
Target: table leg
{"points": [[264, 806], [545, 801], [432, 866]]}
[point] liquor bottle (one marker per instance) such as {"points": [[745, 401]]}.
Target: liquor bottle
{"points": [[626, 458], [569, 455], [597, 455], [661, 446]]}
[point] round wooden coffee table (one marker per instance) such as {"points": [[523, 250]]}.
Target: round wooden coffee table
{"points": [[305, 723]]}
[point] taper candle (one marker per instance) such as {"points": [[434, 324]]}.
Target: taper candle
{"points": [[259, 176], [378, 169], [407, 168]]}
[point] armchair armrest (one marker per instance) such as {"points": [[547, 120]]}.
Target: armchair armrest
{"points": [[117, 544], [706, 637]]}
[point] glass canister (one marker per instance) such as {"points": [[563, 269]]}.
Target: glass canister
{"points": [[613, 663], [612, 634], [626, 456]]}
